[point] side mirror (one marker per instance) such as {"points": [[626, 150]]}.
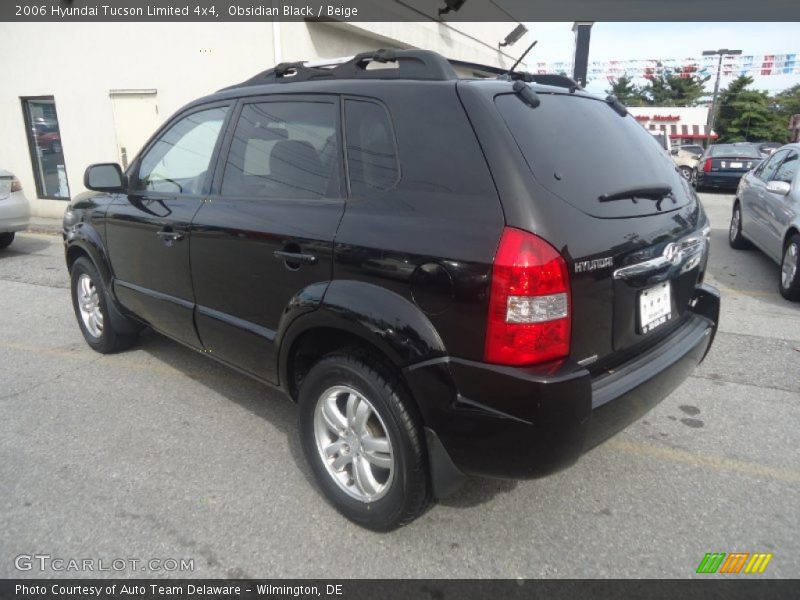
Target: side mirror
{"points": [[104, 177], [779, 187]]}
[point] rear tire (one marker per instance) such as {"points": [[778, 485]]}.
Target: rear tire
{"points": [[735, 238], [363, 440], [91, 310], [790, 269], [6, 239]]}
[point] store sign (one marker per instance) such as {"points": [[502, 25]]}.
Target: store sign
{"points": [[658, 118]]}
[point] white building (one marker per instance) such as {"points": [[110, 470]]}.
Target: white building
{"points": [[82, 93], [681, 124]]}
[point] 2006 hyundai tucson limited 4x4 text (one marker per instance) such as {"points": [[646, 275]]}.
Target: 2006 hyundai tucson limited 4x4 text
{"points": [[450, 276]]}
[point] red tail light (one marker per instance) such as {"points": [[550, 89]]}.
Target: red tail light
{"points": [[707, 166], [529, 307]]}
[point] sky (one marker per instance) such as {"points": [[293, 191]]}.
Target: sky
{"points": [[626, 41]]}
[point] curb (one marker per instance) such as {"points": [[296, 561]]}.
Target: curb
{"points": [[44, 229]]}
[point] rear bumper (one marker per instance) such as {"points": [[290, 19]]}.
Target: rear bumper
{"points": [[14, 213], [523, 423], [719, 180]]}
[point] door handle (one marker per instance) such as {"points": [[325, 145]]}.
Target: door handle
{"points": [[172, 236], [295, 258]]}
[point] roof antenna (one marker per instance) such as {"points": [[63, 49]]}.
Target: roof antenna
{"points": [[519, 60]]}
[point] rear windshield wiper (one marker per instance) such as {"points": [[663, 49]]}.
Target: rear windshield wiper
{"points": [[655, 192]]}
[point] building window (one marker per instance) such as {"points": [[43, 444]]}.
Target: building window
{"points": [[44, 142]]}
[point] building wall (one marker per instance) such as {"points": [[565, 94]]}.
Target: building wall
{"points": [[79, 64], [672, 119]]}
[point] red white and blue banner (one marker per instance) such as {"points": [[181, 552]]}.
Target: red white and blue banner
{"points": [[732, 66]]}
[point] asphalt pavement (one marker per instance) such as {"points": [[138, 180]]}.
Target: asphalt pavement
{"points": [[160, 453]]}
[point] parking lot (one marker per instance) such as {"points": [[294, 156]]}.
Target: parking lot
{"points": [[160, 453]]}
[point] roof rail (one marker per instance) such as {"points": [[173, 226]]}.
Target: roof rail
{"points": [[542, 78], [411, 64]]}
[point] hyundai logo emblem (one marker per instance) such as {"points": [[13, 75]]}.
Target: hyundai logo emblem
{"points": [[672, 253]]}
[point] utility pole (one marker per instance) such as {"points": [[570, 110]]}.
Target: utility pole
{"points": [[580, 59], [712, 113]]}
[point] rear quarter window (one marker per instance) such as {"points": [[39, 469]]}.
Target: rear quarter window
{"points": [[372, 162]]}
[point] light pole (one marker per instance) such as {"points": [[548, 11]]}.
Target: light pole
{"points": [[713, 111]]}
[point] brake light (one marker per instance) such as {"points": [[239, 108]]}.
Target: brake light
{"points": [[707, 166], [529, 308], [16, 186]]}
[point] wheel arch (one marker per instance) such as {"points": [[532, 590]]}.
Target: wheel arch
{"points": [[356, 314], [85, 241]]}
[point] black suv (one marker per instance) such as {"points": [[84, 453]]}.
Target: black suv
{"points": [[450, 276]]}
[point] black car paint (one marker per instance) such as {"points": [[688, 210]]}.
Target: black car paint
{"points": [[419, 300]]}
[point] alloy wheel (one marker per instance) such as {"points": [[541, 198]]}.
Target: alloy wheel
{"points": [[735, 219], [89, 304], [353, 443], [789, 265]]}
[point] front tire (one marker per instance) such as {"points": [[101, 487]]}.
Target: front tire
{"points": [[91, 310], [6, 239], [735, 238], [790, 269], [363, 440], [687, 173]]}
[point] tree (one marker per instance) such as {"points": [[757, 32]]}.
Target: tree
{"points": [[677, 87], [786, 104], [627, 92], [725, 109], [750, 115], [753, 119]]}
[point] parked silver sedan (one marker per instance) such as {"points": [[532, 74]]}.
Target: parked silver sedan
{"points": [[14, 208], [766, 214]]}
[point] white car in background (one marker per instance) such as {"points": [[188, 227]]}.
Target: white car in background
{"points": [[14, 208]]}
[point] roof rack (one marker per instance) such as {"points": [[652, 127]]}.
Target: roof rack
{"points": [[411, 64], [541, 78]]}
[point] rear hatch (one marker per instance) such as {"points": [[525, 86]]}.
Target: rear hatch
{"points": [[611, 200]]}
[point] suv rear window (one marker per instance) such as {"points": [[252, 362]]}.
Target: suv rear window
{"points": [[580, 149]]}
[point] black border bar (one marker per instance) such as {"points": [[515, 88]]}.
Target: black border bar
{"points": [[709, 588], [399, 10]]}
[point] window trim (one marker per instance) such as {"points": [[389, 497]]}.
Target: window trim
{"points": [[392, 130], [134, 165], [791, 152], [778, 163], [225, 148], [32, 145]]}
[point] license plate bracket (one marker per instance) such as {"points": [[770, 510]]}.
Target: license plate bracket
{"points": [[655, 306]]}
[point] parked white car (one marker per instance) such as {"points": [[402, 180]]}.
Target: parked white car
{"points": [[15, 211]]}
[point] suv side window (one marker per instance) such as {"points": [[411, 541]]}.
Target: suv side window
{"points": [[371, 149], [284, 149], [788, 169], [768, 168], [178, 161]]}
